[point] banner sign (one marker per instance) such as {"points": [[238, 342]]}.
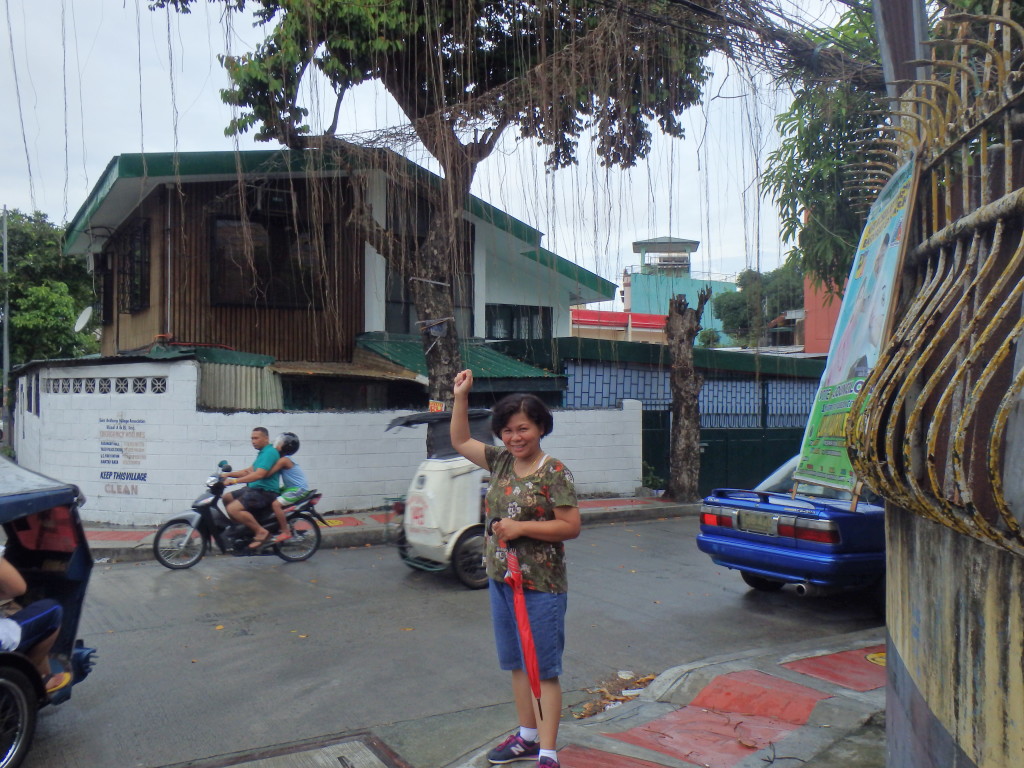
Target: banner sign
{"points": [[859, 333]]}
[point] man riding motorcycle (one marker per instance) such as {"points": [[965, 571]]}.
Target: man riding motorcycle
{"points": [[261, 489]]}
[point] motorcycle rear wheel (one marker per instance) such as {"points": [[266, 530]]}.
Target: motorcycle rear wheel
{"points": [[178, 545], [305, 540]]}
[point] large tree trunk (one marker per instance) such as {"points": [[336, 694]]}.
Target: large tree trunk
{"points": [[432, 287], [681, 329]]}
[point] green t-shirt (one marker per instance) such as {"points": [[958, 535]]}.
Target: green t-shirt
{"points": [[266, 459], [533, 497]]}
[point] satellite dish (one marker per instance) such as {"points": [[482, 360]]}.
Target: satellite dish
{"points": [[83, 319]]}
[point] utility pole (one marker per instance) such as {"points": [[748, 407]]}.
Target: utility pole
{"points": [[901, 26]]}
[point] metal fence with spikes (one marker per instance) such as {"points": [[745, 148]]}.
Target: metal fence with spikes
{"points": [[938, 425]]}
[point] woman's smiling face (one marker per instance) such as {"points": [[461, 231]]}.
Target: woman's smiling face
{"points": [[521, 436]]}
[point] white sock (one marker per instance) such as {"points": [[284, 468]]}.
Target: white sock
{"points": [[529, 735], [548, 753]]}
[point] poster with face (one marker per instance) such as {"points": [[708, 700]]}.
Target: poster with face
{"points": [[859, 334]]}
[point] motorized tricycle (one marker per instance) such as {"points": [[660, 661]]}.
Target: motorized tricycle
{"points": [[46, 543], [439, 523], [182, 541]]}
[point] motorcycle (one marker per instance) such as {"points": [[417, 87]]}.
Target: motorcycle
{"points": [[182, 541]]}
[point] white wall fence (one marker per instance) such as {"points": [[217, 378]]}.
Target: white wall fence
{"points": [[131, 438]]}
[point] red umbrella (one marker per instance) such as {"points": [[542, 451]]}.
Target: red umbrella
{"points": [[514, 578]]}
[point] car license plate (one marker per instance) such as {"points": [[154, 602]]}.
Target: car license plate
{"points": [[757, 522]]}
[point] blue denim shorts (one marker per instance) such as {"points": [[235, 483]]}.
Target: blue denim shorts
{"points": [[547, 620]]}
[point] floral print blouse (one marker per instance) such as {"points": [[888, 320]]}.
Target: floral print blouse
{"points": [[533, 497]]}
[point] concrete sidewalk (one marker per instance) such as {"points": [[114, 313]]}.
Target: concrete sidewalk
{"points": [[819, 703], [122, 544]]}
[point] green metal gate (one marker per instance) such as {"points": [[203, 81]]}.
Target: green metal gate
{"points": [[730, 458]]}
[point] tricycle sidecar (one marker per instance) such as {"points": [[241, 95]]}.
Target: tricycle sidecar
{"points": [[46, 543], [440, 521]]}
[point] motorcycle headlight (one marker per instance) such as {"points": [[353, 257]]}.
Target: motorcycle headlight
{"points": [[212, 481]]}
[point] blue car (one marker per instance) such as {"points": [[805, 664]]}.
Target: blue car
{"points": [[818, 540]]}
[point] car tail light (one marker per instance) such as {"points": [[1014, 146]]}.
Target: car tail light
{"points": [[721, 517], [398, 507], [820, 531]]}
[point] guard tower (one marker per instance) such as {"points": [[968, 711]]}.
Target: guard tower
{"points": [[664, 272]]}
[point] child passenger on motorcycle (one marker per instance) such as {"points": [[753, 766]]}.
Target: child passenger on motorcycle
{"points": [[293, 481]]}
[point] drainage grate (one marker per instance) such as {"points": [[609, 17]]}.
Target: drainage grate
{"points": [[358, 751]]}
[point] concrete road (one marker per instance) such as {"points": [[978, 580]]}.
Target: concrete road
{"points": [[247, 654]]}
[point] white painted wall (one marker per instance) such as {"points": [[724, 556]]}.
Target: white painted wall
{"points": [[518, 280], [159, 449]]}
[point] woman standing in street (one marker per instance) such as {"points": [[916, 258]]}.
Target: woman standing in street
{"points": [[530, 506]]}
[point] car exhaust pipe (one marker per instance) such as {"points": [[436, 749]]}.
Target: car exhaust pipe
{"points": [[806, 589]]}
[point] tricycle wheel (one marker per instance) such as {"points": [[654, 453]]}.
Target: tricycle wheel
{"points": [[18, 711], [178, 544], [305, 540], [468, 559], [402, 542], [760, 583]]}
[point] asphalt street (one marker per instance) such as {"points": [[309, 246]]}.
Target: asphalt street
{"points": [[245, 656]]}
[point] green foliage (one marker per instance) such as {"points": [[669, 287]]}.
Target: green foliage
{"points": [[650, 478], [47, 291], [709, 338], [761, 297], [805, 175], [553, 70]]}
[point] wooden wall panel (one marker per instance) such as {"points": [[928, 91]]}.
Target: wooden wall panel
{"points": [[321, 333]]}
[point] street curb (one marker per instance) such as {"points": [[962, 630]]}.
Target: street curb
{"points": [[370, 533], [833, 719]]}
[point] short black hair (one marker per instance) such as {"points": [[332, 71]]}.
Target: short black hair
{"points": [[525, 403], [261, 429]]}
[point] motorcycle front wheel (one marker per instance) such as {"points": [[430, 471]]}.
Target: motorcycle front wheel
{"points": [[18, 704], [178, 544], [305, 540]]}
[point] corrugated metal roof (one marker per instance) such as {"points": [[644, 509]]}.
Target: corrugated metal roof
{"points": [[485, 362]]}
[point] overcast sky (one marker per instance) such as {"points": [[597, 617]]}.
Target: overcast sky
{"points": [[83, 82]]}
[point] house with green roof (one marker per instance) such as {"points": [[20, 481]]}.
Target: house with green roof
{"points": [[273, 254], [243, 289]]}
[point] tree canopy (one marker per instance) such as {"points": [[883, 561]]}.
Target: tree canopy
{"points": [[463, 73], [47, 291], [821, 138], [761, 297]]}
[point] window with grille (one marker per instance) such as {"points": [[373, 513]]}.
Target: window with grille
{"points": [[272, 258], [513, 321], [133, 263]]}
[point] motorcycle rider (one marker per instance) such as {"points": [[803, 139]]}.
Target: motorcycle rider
{"points": [[261, 489]]}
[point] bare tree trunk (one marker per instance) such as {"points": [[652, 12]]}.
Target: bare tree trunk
{"points": [[684, 453], [432, 292]]}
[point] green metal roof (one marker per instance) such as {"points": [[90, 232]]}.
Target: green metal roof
{"points": [[485, 362], [161, 352]]}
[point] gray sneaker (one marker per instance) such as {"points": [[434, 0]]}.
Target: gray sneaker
{"points": [[514, 748]]}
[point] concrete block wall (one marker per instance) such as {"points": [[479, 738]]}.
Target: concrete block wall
{"points": [[141, 456]]}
